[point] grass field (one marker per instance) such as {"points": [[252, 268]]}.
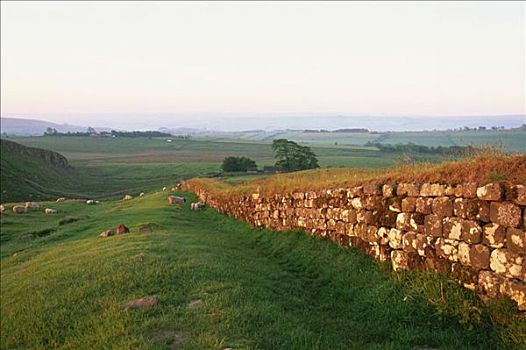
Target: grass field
{"points": [[513, 140], [220, 284]]}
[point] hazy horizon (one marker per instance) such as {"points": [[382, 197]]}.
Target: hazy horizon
{"points": [[83, 60]]}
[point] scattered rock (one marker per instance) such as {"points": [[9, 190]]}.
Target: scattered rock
{"points": [[138, 257], [121, 229], [145, 228], [141, 303], [107, 233], [176, 200], [195, 303]]}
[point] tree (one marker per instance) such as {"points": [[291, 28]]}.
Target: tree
{"points": [[235, 164], [292, 157], [50, 131]]}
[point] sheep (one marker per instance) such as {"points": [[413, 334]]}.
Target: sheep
{"points": [[50, 211], [127, 197], [197, 206], [164, 188], [141, 194], [61, 199], [19, 209], [90, 201], [31, 206]]}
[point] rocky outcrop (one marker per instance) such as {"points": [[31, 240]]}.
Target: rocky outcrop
{"points": [[474, 233]]}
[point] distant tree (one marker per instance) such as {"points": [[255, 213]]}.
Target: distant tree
{"points": [[238, 164], [50, 131], [292, 157], [91, 130]]}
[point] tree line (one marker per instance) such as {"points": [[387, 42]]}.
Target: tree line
{"points": [[288, 154]]}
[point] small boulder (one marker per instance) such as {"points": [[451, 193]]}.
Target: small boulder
{"points": [[121, 229], [176, 200], [107, 233], [141, 303], [145, 228], [50, 211]]}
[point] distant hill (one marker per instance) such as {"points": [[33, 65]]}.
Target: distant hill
{"points": [[33, 127], [26, 172]]}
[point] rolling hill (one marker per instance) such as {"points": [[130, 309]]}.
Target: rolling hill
{"points": [[29, 173]]}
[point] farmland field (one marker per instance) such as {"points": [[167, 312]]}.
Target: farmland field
{"points": [[513, 140]]}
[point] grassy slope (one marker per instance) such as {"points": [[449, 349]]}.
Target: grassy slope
{"points": [[98, 178], [480, 169], [260, 289], [18, 163]]}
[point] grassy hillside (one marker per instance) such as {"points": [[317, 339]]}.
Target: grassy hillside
{"points": [[22, 167], [219, 284], [29, 173]]}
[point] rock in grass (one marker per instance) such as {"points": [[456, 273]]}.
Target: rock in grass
{"points": [[195, 303], [141, 303], [121, 229], [106, 233], [146, 228]]}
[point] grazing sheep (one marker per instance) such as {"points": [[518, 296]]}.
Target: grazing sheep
{"points": [[90, 201], [197, 206], [31, 206], [141, 194], [176, 200], [164, 188], [19, 209], [61, 199], [50, 211], [127, 197], [2, 208], [173, 189]]}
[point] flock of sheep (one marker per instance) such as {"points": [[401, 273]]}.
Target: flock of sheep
{"points": [[32, 206]]}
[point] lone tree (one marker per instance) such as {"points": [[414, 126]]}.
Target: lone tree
{"points": [[293, 157], [238, 164]]}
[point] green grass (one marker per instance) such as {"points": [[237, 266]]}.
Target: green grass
{"points": [[260, 289]]}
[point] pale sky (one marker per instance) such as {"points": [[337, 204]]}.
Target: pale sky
{"points": [[267, 57]]}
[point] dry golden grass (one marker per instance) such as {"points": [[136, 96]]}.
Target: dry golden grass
{"points": [[481, 169]]}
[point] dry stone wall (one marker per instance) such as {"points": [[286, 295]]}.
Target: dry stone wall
{"points": [[475, 234]]}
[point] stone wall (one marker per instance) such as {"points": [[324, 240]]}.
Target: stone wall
{"points": [[474, 234]]}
